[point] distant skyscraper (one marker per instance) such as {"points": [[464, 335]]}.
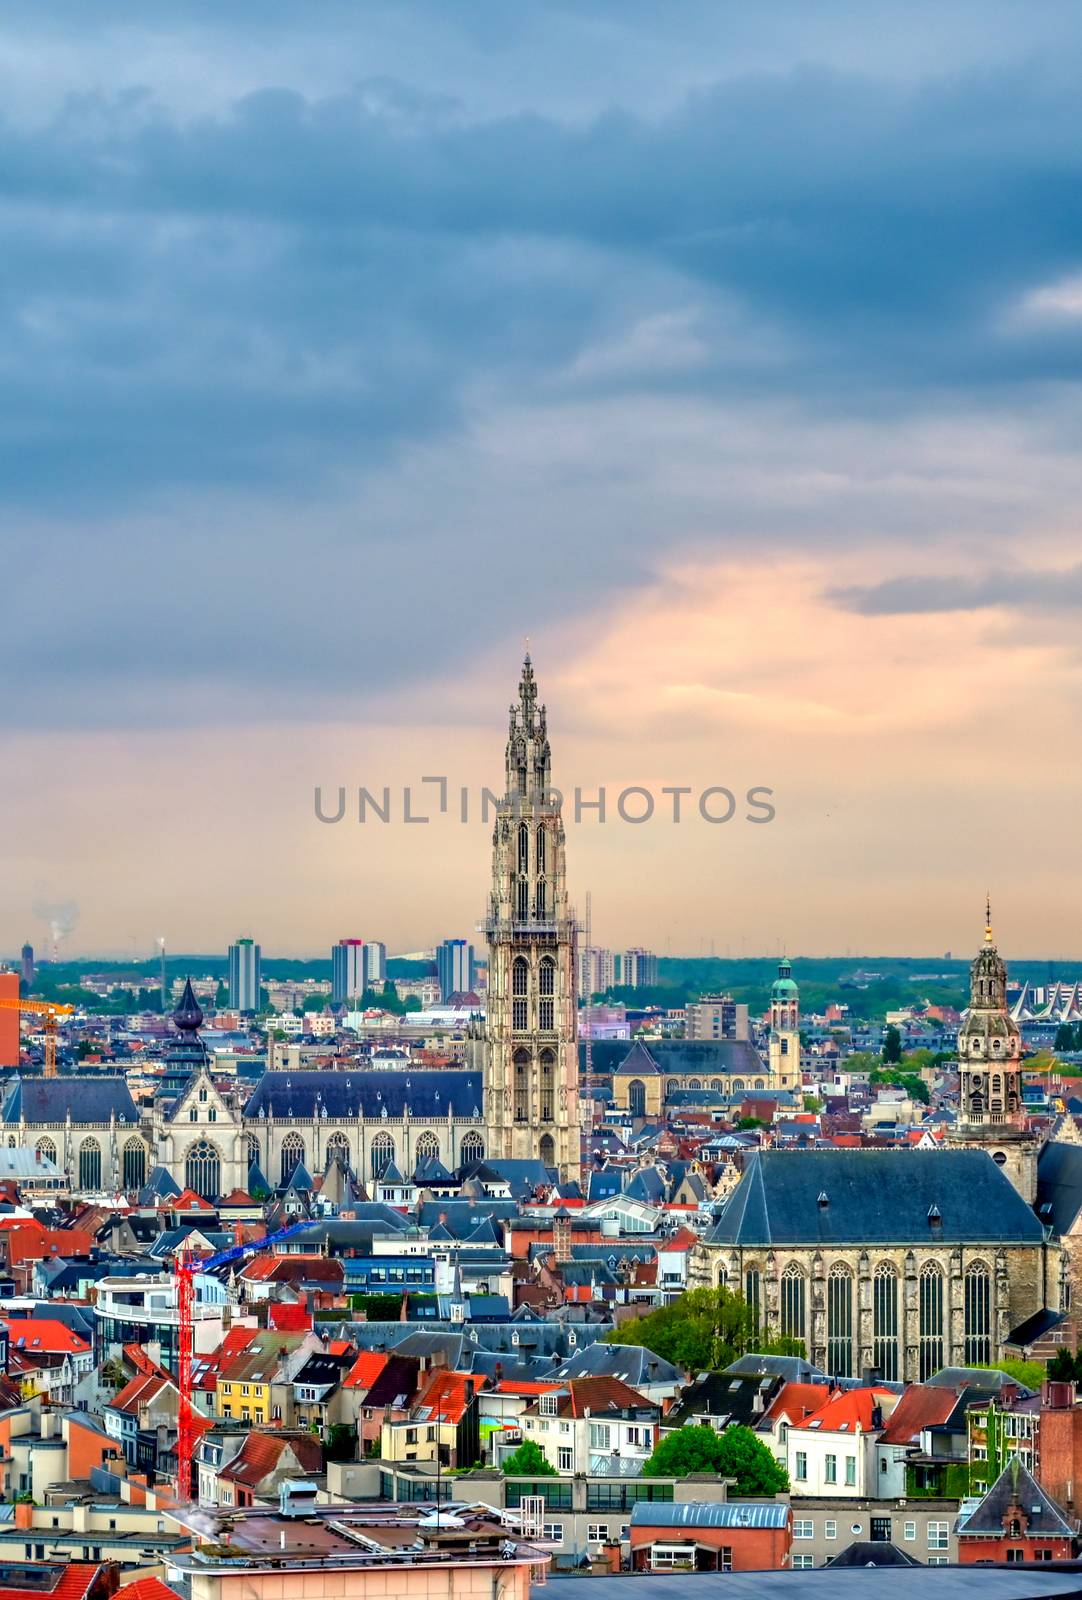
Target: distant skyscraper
{"points": [[28, 965], [637, 969], [455, 964], [375, 963], [347, 971], [244, 975]]}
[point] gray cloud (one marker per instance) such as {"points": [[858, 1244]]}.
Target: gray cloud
{"points": [[244, 313], [933, 593]]}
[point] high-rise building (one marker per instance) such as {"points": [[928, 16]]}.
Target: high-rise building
{"points": [[28, 965], [635, 969], [991, 1114], [716, 1016], [244, 975], [595, 969], [347, 971], [529, 1037], [455, 967], [375, 963]]}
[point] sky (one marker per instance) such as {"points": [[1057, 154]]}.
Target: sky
{"points": [[730, 354]]}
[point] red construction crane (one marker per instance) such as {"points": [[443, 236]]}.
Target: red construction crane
{"points": [[185, 1267]]}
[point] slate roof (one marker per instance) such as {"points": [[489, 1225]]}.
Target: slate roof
{"points": [[1017, 1485], [367, 1093], [89, 1098], [729, 1396], [714, 1057], [1059, 1185], [866, 1553], [874, 1197]]}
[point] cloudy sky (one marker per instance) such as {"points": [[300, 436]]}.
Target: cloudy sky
{"points": [[731, 353]]}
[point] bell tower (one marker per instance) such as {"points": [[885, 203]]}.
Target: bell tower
{"points": [[530, 1040], [783, 1044], [990, 1110]]}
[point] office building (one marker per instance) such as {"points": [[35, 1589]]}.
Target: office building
{"points": [[244, 975], [28, 965], [454, 966], [347, 971], [635, 969], [375, 963], [716, 1016]]}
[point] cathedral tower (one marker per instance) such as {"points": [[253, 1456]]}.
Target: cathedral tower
{"points": [[783, 1045], [990, 1111], [530, 1042]]}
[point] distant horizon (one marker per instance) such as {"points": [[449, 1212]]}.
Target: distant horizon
{"points": [[955, 957]]}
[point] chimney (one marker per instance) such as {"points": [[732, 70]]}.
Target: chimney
{"points": [[24, 1514], [610, 1554]]}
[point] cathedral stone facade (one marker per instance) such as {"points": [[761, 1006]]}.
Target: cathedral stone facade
{"points": [[900, 1261], [528, 1043]]}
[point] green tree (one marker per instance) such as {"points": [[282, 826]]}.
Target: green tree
{"points": [[892, 1046], [812, 1103], [340, 1442], [528, 1461], [702, 1331], [736, 1453]]}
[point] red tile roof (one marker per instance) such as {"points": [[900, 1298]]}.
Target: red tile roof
{"points": [[796, 1401], [73, 1580], [365, 1370], [446, 1397], [260, 1454], [921, 1406], [682, 1239], [37, 1335], [141, 1390], [145, 1589], [848, 1408], [190, 1201], [596, 1395]]}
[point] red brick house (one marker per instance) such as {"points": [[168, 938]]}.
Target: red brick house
{"points": [[723, 1536], [1017, 1521]]}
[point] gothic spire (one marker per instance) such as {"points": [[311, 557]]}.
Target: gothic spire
{"points": [[988, 920]]}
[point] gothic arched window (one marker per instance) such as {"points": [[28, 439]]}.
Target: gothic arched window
{"points": [[45, 1149], [90, 1165], [292, 1155], [203, 1170], [542, 900], [472, 1149], [382, 1153], [931, 1320], [547, 1150], [793, 1300], [251, 1151], [885, 1321], [546, 976], [541, 865], [427, 1148], [338, 1149], [840, 1322], [520, 976], [523, 849], [978, 1316], [753, 1293], [548, 1067], [523, 899], [134, 1164], [521, 1065]]}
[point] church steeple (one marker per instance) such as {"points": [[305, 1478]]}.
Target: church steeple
{"points": [[529, 1040], [990, 1110]]}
